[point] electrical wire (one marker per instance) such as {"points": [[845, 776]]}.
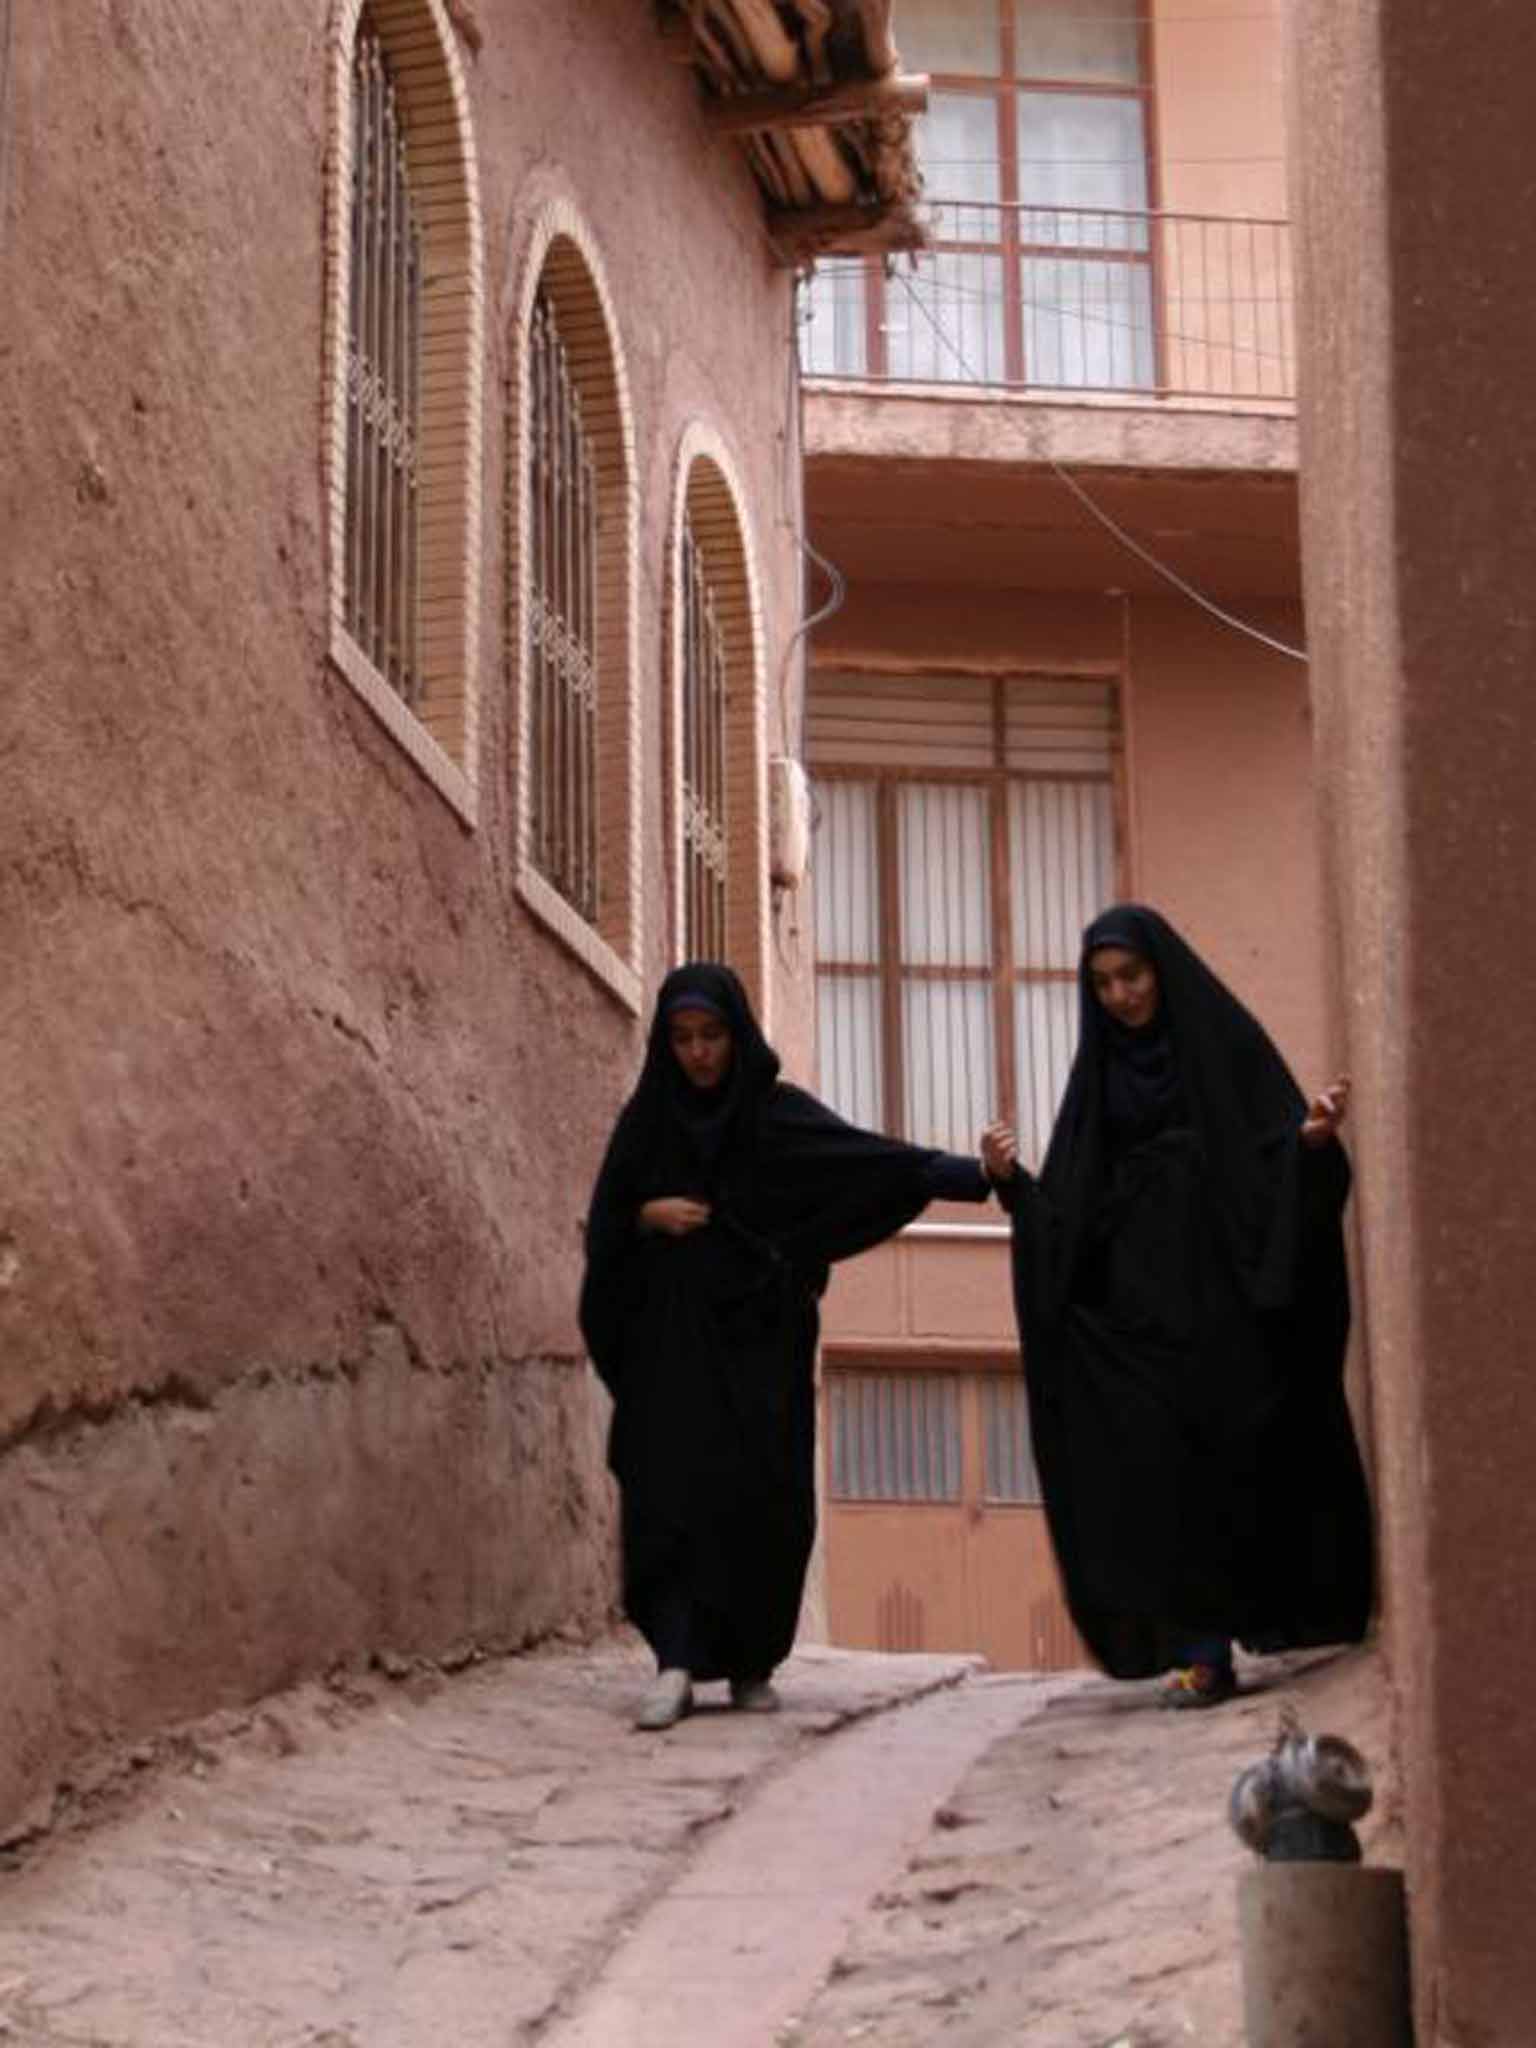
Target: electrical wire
{"points": [[838, 583], [1112, 526]]}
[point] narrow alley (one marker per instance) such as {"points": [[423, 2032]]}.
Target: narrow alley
{"points": [[915, 1850]]}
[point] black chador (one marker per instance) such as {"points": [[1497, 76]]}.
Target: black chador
{"points": [[707, 1341], [1183, 1306]]}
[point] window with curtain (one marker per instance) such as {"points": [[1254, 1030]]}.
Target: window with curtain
{"points": [[1034, 156], [966, 832]]}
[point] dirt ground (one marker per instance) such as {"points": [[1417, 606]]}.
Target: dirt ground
{"points": [[424, 1858], [1079, 1889]]}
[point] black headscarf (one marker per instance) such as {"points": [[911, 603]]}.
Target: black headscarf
{"points": [[711, 1118], [1203, 1061], [1142, 1095]]}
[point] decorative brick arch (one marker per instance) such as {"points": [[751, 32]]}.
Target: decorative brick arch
{"points": [[708, 497], [440, 731], [561, 256]]}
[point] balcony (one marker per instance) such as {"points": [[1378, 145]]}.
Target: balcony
{"points": [[1067, 303]]}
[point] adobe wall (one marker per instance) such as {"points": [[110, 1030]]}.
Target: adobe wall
{"points": [[1419, 523], [301, 1109]]}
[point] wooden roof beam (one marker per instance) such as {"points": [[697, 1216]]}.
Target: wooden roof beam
{"points": [[827, 106], [799, 233]]}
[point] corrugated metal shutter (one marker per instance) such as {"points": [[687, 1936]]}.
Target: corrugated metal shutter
{"points": [[1063, 725], [894, 1436]]}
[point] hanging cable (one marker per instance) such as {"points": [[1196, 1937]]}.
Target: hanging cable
{"points": [[791, 736], [1112, 526]]}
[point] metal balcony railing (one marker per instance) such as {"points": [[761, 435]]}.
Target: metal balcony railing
{"points": [[1061, 298]]}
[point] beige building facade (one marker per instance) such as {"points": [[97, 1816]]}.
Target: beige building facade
{"points": [[1042, 458]]}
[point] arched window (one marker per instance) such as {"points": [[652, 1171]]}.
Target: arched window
{"points": [[571, 610], [403, 382], [717, 724]]}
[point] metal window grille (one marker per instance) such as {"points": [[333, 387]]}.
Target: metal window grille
{"points": [[894, 1436], [965, 835], [705, 841], [1008, 1454], [562, 653], [383, 539]]}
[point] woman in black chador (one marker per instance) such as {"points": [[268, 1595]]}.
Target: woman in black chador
{"points": [[1183, 1307], [724, 1195]]}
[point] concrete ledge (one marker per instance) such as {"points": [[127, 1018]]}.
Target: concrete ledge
{"points": [[922, 423]]}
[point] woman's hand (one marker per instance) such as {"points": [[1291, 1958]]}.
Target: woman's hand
{"points": [[999, 1152], [673, 1215], [1325, 1113]]}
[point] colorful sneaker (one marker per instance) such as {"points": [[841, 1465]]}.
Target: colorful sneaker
{"points": [[1197, 1685]]}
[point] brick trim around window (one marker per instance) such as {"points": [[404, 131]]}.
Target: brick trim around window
{"points": [[439, 727], [561, 262], [708, 498]]}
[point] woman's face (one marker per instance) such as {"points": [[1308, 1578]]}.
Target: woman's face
{"points": [[701, 1045], [1125, 983]]}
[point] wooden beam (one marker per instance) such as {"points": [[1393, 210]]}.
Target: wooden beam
{"points": [[801, 232], [818, 106]]}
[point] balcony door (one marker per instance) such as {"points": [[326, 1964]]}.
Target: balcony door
{"points": [[1036, 166]]}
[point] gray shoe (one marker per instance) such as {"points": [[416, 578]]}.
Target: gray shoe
{"points": [[754, 1696], [667, 1701]]}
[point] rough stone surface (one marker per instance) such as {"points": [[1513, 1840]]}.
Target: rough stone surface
{"points": [[403, 1857], [385, 1862], [1079, 1888]]}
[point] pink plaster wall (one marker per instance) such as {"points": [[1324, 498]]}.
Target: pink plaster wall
{"points": [[1223, 813], [1418, 420], [1220, 134], [301, 1109]]}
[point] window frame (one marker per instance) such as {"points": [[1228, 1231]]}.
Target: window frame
{"points": [[890, 970], [708, 496], [561, 255], [439, 731], [1012, 249]]}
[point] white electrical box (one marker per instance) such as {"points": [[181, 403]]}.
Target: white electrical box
{"points": [[789, 822]]}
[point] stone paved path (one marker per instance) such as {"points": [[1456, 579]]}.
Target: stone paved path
{"points": [[422, 1864], [746, 1933], [914, 1855]]}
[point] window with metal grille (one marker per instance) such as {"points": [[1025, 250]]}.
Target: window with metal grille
{"points": [[706, 840], [1034, 155], [894, 1436], [383, 514], [966, 832], [562, 622], [404, 327]]}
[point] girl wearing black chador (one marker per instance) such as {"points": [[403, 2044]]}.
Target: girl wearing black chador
{"points": [[1183, 1308], [724, 1196]]}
